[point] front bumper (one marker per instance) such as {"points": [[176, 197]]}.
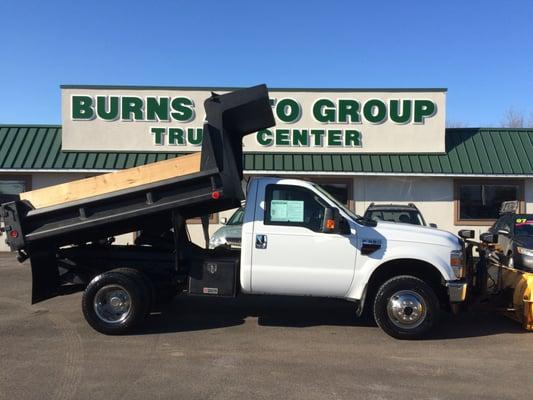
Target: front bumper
{"points": [[457, 291]]}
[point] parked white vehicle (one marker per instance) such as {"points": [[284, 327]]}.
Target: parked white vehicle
{"points": [[404, 273]]}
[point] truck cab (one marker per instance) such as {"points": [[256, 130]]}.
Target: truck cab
{"points": [[299, 240]]}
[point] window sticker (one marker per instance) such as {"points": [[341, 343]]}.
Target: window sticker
{"points": [[523, 221], [287, 210], [278, 210], [295, 211]]}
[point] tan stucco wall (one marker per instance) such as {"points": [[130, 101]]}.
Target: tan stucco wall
{"points": [[433, 196]]}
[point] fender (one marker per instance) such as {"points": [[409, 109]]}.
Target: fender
{"points": [[435, 255]]}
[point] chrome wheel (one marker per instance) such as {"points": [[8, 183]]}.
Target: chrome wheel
{"points": [[406, 309], [112, 304]]}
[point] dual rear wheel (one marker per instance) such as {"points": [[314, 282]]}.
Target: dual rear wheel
{"points": [[118, 300]]}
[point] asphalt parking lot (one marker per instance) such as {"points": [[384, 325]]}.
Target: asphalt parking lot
{"points": [[253, 347]]}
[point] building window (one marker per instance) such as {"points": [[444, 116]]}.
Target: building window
{"points": [[341, 189], [478, 202], [11, 186]]}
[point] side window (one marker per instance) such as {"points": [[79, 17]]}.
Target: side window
{"points": [[293, 206]]}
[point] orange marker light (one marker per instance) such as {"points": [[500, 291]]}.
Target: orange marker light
{"points": [[330, 224]]}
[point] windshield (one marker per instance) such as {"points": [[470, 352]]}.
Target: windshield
{"points": [[236, 218], [402, 216], [337, 202], [523, 227]]}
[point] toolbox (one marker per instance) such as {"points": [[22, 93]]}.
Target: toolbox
{"points": [[217, 277]]}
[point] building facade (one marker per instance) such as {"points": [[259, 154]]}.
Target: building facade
{"points": [[361, 154]]}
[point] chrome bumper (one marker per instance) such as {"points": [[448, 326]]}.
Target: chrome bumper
{"points": [[457, 291]]}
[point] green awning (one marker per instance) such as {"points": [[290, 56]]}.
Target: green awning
{"points": [[469, 151]]}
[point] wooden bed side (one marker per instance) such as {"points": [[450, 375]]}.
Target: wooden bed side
{"points": [[111, 182]]}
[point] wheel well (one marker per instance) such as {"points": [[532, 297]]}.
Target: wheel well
{"points": [[420, 269]]}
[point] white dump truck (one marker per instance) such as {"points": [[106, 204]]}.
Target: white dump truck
{"points": [[296, 240]]}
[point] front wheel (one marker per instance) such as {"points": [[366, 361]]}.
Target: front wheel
{"points": [[406, 307]]}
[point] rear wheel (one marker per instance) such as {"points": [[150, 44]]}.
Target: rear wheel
{"points": [[115, 302], [406, 307], [146, 283]]}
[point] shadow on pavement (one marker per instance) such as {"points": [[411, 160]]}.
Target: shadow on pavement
{"points": [[200, 313]]}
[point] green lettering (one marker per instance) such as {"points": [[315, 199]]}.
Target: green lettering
{"points": [[82, 107], [264, 137], [334, 137], [349, 109], [101, 107], [194, 136], [375, 111], [176, 136], [159, 136], [132, 105], [157, 109], [324, 110], [352, 138], [317, 135], [288, 110], [282, 137], [183, 109], [395, 111], [424, 109], [300, 137]]}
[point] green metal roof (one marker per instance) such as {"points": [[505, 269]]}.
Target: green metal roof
{"points": [[469, 151]]}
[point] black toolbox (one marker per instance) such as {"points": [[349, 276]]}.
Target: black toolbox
{"points": [[214, 277]]}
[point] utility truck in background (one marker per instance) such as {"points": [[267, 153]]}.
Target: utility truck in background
{"points": [[297, 239]]}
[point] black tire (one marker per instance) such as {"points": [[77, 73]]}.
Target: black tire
{"points": [[415, 305], [124, 284], [147, 286]]}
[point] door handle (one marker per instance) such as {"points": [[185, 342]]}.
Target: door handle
{"points": [[260, 241]]}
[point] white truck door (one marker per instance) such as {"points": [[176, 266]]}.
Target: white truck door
{"points": [[290, 254]]}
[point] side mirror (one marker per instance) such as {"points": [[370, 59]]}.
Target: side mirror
{"points": [[503, 232], [332, 220], [466, 234], [433, 225], [223, 220], [488, 237]]}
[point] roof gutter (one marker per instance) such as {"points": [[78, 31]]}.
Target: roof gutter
{"points": [[303, 173]]}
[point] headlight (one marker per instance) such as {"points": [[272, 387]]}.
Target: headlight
{"points": [[456, 262], [216, 241], [524, 251]]}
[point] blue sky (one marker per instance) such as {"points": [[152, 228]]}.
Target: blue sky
{"points": [[482, 51]]}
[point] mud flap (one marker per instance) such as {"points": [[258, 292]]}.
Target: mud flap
{"points": [[45, 277]]}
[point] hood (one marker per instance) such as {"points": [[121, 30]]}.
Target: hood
{"points": [[417, 234], [225, 231], [524, 241]]}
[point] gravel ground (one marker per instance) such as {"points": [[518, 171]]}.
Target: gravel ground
{"points": [[250, 347]]}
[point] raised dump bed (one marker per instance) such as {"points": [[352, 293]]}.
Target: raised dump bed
{"points": [[135, 199]]}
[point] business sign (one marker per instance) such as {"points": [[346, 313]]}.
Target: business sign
{"points": [[307, 120]]}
